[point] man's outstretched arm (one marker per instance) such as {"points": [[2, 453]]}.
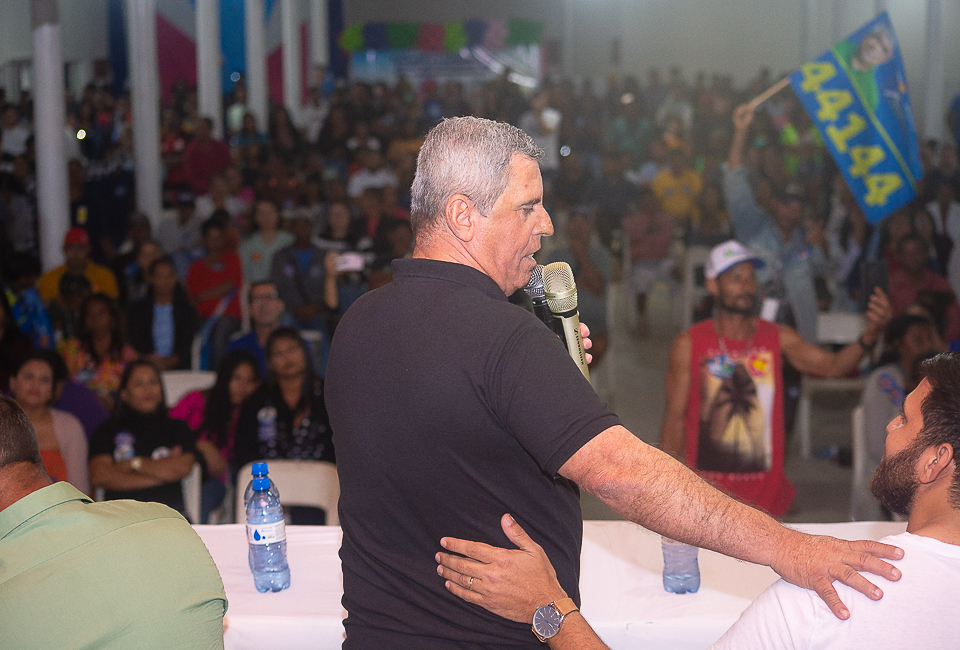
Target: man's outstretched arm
{"points": [[647, 486]]}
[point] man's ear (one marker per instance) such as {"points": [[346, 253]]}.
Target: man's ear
{"points": [[461, 217], [934, 463]]}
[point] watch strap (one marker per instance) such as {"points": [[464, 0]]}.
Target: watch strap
{"points": [[565, 606]]}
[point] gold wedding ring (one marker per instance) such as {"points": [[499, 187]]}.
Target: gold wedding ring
{"points": [[470, 584]]}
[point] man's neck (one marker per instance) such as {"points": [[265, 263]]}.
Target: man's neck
{"points": [[731, 325], [932, 516], [19, 480], [79, 269], [264, 331], [450, 250]]}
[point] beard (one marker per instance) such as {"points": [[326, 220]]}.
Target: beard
{"points": [[895, 482], [742, 305]]}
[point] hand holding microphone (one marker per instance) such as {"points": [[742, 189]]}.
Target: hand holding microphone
{"points": [[560, 292]]}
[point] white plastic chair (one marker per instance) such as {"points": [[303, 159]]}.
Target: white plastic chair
{"points": [[833, 328], [301, 483], [177, 383], [191, 493]]}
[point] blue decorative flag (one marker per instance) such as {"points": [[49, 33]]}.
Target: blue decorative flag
{"points": [[856, 94]]}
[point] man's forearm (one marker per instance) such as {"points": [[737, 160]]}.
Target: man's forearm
{"points": [[662, 494]]}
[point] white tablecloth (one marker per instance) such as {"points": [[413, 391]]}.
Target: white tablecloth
{"points": [[620, 585]]}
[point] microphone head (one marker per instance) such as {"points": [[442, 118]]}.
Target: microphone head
{"points": [[534, 288], [559, 287]]}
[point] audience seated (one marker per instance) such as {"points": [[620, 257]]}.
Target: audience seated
{"points": [[63, 444], [648, 233], [267, 312], [257, 251], [99, 354], [306, 279], [214, 283], [212, 415], [104, 575], [76, 250], [14, 346], [76, 399], [19, 273], [913, 281], [204, 157], [592, 268], [286, 417], [162, 324], [141, 452]]}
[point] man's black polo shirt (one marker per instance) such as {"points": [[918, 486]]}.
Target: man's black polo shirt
{"points": [[449, 407]]}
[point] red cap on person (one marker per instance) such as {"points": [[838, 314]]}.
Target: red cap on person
{"points": [[76, 235]]}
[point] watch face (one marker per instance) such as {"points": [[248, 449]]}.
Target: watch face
{"points": [[546, 621]]}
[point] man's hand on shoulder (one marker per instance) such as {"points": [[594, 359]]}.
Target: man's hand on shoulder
{"points": [[814, 562]]}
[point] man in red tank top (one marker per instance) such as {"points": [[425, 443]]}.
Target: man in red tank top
{"points": [[724, 414]]}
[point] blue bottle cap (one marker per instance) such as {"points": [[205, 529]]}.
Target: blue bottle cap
{"points": [[261, 484], [259, 469]]}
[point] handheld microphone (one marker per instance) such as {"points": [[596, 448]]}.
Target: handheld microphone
{"points": [[534, 291], [561, 293]]}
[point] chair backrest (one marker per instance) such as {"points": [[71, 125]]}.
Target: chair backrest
{"points": [[301, 483], [839, 328], [177, 383], [191, 493]]}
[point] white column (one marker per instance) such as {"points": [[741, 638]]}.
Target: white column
{"points": [[839, 32], [319, 42], [257, 96], [209, 83], [933, 82], [567, 40], [290, 39], [53, 206], [145, 94]]}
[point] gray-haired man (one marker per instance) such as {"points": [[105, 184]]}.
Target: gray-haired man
{"points": [[451, 406]]}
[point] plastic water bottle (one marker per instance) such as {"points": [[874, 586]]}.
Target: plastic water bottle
{"points": [[259, 470], [267, 538], [681, 573]]}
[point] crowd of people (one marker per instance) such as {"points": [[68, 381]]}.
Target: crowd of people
{"points": [[276, 229]]}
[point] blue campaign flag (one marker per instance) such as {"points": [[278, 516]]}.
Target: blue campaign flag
{"points": [[856, 94]]}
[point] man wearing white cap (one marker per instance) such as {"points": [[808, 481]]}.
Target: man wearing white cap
{"points": [[724, 414]]}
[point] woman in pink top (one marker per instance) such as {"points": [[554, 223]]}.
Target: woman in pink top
{"points": [[63, 444], [212, 414]]}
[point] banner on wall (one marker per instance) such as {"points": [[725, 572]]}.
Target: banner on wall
{"points": [[856, 94], [441, 37]]}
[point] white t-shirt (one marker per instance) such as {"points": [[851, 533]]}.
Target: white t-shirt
{"points": [[918, 611]]}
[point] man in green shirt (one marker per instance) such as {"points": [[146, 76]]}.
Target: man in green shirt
{"points": [[78, 574]]}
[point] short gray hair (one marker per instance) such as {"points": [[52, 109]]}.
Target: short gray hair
{"points": [[469, 156]]}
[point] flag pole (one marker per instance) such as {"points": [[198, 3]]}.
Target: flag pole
{"points": [[768, 93]]}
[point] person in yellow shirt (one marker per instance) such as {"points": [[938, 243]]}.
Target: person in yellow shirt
{"points": [[678, 188], [76, 251]]}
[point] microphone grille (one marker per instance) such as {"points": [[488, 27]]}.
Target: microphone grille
{"points": [[559, 287], [534, 287]]}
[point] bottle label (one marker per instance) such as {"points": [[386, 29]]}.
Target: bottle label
{"points": [[266, 533]]}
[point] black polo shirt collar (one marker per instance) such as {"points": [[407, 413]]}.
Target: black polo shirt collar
{"points": [[449, 272]]}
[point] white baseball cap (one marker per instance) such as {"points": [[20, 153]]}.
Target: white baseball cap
{"points": [[727, 255]]}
